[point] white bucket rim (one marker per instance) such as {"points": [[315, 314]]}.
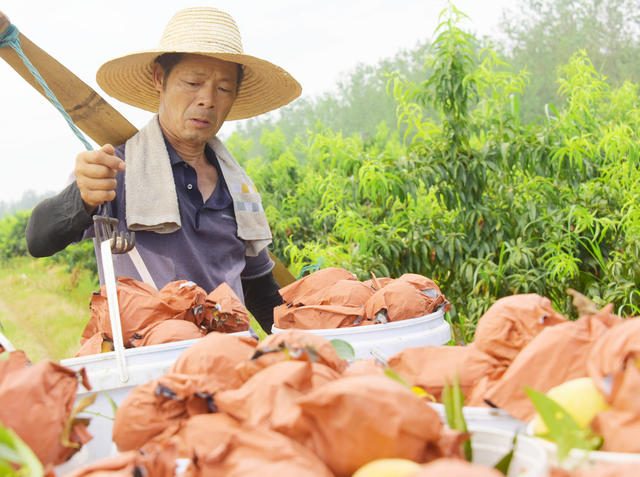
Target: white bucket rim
{"points": [[355, 330]]}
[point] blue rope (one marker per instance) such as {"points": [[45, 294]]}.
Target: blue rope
{"points": [[10, 38], [311, 268]]}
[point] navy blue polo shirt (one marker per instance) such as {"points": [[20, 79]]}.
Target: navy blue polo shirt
{"points": [[206, 249]]}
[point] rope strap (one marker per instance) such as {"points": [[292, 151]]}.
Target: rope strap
{"points": [[10, 38]]}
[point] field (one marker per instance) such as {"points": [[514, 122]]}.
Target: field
{"points": [[43, 307]]}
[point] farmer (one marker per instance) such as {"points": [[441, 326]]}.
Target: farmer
{"points": [[196, 213]]}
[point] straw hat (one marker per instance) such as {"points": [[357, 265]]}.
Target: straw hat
{"points": [[204, 31]]}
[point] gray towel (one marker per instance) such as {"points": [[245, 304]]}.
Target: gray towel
{"points": [[151, 199]]}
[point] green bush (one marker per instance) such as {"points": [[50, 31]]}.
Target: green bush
{"points": [[13, 244], [483, 204]]}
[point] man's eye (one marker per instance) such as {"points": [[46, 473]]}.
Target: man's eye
{"points": [[224, 90], [190, 83]]}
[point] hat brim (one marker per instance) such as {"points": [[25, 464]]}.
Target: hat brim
{"points": [[264, 87]]}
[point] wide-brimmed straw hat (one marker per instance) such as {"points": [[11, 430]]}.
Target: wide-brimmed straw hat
{"points": [[203, 31]]}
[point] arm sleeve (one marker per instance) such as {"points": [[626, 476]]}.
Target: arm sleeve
{"points": [[56, 222], [261, 297]]}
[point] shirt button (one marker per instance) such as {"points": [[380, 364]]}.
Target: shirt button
{"points": [[189, 186]]}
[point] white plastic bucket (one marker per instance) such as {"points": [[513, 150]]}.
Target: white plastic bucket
{"points": [[579, 459], [390, 338], [486, 418], [491, 445], [143, 364]]}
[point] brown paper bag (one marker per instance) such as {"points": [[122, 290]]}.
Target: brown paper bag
{"points": [[431, 367], [302, 291], [224, 312], [168, 331], [554, 356], [295, 345], [351, 421], [215, 358], [218, 446], [155, 410], [142, 305], [268, 398], [315, 317], [36, 402]]}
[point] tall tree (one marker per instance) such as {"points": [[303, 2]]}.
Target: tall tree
{"points": [[356, 105], [543, 34]]}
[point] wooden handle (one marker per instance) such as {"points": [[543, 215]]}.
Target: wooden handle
{"points": [[98, 119], [4, 22]]}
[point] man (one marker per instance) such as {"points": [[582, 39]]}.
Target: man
{"points": [[196, 214]]}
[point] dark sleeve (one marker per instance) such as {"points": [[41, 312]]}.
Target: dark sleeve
{"points": [[56, 222], [261, 297]]}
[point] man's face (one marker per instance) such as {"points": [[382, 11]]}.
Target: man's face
{"points": [[196, 97]]}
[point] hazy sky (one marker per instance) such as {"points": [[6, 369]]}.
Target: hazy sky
{"points": [[316, 41]]}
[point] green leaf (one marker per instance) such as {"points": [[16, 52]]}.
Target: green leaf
{"points": [[255, 326], [114, 406], [393, 375], [504, 463], [344, 349], [13, 450], [562, 428], [453, 401], [65, 437]]}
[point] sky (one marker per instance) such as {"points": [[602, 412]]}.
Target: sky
{"points": [[316, 41]]}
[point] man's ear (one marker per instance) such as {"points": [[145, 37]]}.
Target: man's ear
{"points": [[158, 77]]}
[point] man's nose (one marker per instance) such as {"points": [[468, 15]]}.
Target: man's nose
{"points": [[207, 97]]}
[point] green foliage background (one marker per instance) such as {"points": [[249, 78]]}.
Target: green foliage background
{"points": [[473, 197]]}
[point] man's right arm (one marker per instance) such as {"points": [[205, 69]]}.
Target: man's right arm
{"points": [[60, 220], [56, 222]]}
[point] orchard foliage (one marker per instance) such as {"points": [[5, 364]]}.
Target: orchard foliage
{"points": [[13, 244], [483, 204]]}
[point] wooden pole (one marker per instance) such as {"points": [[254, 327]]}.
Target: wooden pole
{"points": [[92, 114]]}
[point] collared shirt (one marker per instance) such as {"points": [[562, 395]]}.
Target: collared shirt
{"points": [[206, 249]]}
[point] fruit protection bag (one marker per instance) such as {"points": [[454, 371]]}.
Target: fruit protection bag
{"points": [[141, 305], [218, 446], [303, 291], [431, 367], [501, 333], [37, 401], [554, 356], [154, 411], [351, 421], [614, 366], [167, 331], [215, 358], [268, 398], [291, 345], [312, 317], [223, 311]]}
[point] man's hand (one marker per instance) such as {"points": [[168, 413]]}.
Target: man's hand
{"points": [[95, 173]]}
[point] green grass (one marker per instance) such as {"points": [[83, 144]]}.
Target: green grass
{"points": [[43, 307]]}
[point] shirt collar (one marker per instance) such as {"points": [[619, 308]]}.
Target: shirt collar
{"points": [[175, 159]]}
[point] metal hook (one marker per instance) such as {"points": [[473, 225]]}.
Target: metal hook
{"points": [[106, 228]]}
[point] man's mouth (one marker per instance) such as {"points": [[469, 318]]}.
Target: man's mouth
{"points": [[200, 122]]}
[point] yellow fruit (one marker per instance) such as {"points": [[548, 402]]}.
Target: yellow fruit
{"points": [[579, 397], [388, 468]]}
